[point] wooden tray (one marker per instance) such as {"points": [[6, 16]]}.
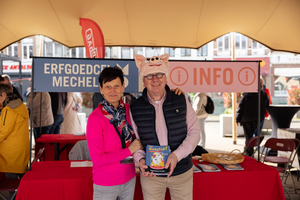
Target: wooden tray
{"points": [[223, 158]]}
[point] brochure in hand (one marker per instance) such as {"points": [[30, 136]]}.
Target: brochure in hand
{"points": [[196, 169], [232, 166], [156, 159], [209, 167]]}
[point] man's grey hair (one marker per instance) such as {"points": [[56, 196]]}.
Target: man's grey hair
{"points": [[7, 77], [6, 88]]}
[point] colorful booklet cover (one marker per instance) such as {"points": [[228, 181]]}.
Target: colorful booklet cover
{"points": [[156, 159], [232, 166], [196, 169], [209, 167]]}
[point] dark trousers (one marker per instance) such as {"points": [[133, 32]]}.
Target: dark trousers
{"points": [[55, 127], [261, 126], [38, 131], [249, 128], [13, 176]]}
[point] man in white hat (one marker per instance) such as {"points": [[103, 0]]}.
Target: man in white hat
{"points": [[160, 117]]}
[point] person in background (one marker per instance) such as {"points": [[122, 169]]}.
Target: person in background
{"points": [[15, 89], [111, 139], [159, 117], [128, 98], [14, 135], [247, 114], [42, 116], [266, 90], [26, 93], [200, 101], [71, 123], [58, 102], [1, 81], [188, 96], [96, 99]]}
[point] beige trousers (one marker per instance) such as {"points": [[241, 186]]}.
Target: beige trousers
{"points": [[180, 186]]}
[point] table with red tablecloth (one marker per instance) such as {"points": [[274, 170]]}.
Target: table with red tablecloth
{"points": [[57, 146], [57, 180]]}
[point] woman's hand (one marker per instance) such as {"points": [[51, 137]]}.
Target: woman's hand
{"points": [[178, 91], [135, 146]]}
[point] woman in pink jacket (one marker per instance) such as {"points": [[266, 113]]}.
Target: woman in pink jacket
{"points": [[111, 140]]}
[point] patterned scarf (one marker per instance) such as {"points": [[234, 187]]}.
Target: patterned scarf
{"points": [[117, 117]]}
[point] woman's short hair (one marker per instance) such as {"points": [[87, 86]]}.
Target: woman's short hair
{"points": [[110, 73], [6, 88]]}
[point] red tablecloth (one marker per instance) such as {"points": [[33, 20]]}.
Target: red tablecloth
{"points": [[48, 141], [56, 180]]}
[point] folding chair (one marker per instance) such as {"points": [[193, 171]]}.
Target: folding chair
{"points": [[297, 143], [12, 185], [9, 185], [253, 142], [38, 155], [277, 144]]}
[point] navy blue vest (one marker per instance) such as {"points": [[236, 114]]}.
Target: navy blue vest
{"points": [[174, 107]]}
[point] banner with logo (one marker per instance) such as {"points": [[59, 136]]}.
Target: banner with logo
{"points": [[92, 38], [78, 74], [214, 76]]}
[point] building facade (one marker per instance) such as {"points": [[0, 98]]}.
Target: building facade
{"points": [[279, 70]]}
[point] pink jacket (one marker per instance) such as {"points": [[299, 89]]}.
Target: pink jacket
{"points": [[106, 151]]}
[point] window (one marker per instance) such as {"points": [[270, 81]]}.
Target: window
{"points": [[48, 47], [27, 48], [244, 39], [12, 50], [73, 53], [58, 50], [150, 52], [220, 44], [254, 44], [170, 51], [115, 52], [227, 43], [185, 52], [223, 45], [202, 51], [107, 52], [138, 50], [237, 41], [81, 52], [125, 51], [66, 51]]}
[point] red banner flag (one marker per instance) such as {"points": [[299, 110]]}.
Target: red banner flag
{"points": [[93, 39]]}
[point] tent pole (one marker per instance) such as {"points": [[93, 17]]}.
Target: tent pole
{"points": [[31, 105], [258, 117], [234, 97]]}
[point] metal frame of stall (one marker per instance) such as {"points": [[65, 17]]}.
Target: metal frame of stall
{"points": [[258, 90]]}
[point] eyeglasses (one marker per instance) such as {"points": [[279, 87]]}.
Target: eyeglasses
{"points": [[151, 76]]}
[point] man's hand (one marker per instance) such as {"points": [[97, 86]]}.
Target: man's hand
{"points": [[172, 162], [143, 167], [178, 91]]}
